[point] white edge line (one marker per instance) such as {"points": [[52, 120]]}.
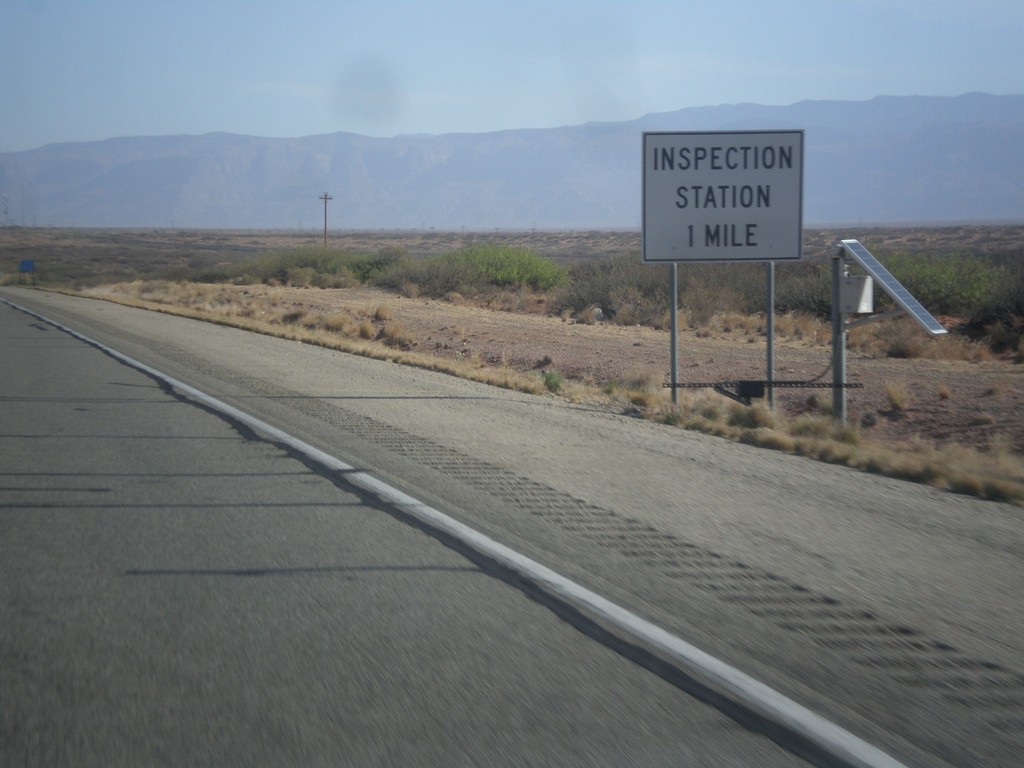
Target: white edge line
{"points": [[724, 678]]}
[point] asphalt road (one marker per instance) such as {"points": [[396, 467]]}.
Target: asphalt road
{"points": [[890, 608], [176, 591]]}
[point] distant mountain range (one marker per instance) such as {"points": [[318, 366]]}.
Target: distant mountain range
{"points": [[888, 160]]}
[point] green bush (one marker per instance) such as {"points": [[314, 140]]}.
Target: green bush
{"points": [[1006, 301], [300, 277], [434, 277], [980, 288], [705, 289], [305, 267], [473, 270], [948, 285], [507, 266], [553, 381], [632, 292], [623, 287], [804, 287]]}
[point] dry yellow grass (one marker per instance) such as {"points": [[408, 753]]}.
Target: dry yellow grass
{"points": [[901, 338], [338, 322], [190, 300], [898, 395], [996, 474], [394, 335], [802, 327]]}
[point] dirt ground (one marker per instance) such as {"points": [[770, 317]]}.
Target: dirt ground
{"points": [[977, 404]]}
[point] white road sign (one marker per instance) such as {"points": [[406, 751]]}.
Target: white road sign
{"points": [[723, 196]]}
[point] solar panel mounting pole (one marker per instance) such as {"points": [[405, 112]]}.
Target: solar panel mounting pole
{"points": [[838, 341], [325, 197]]}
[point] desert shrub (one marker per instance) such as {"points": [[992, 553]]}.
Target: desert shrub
{"points": [[727, 287], [590, 315], [1006, 301], [1003, 336], [221, 275], [618, 284], [898, 395], [804, 288], [769, 438], [708, 409], [702, 302], [473, 270], [980, 288], [751, 417], [633, 292], [177, 273], [305, 267], [707, 290], [632, 306], [641, 387], [802, 325], [967, 483], [299, 277], [293, 317], [394, 335], [552, 381], [340, 279], [507, 266], [643, 380], [434, 277], [948, 285], [953, 347], [900, 338], [337, 322], [807, 425]]}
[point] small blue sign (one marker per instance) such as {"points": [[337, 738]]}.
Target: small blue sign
{"points": [[27, 265]]}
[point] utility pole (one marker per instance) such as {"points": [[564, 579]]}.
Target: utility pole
{"points": [[325, 197]]}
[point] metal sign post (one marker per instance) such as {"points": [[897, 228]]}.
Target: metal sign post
{"points": [[769, 314], [27, 271], [674, 353]]}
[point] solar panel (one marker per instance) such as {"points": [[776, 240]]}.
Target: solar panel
{"points": [[893, 287]]}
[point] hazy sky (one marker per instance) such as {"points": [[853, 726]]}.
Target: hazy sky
{"points": [[81, 70]]}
